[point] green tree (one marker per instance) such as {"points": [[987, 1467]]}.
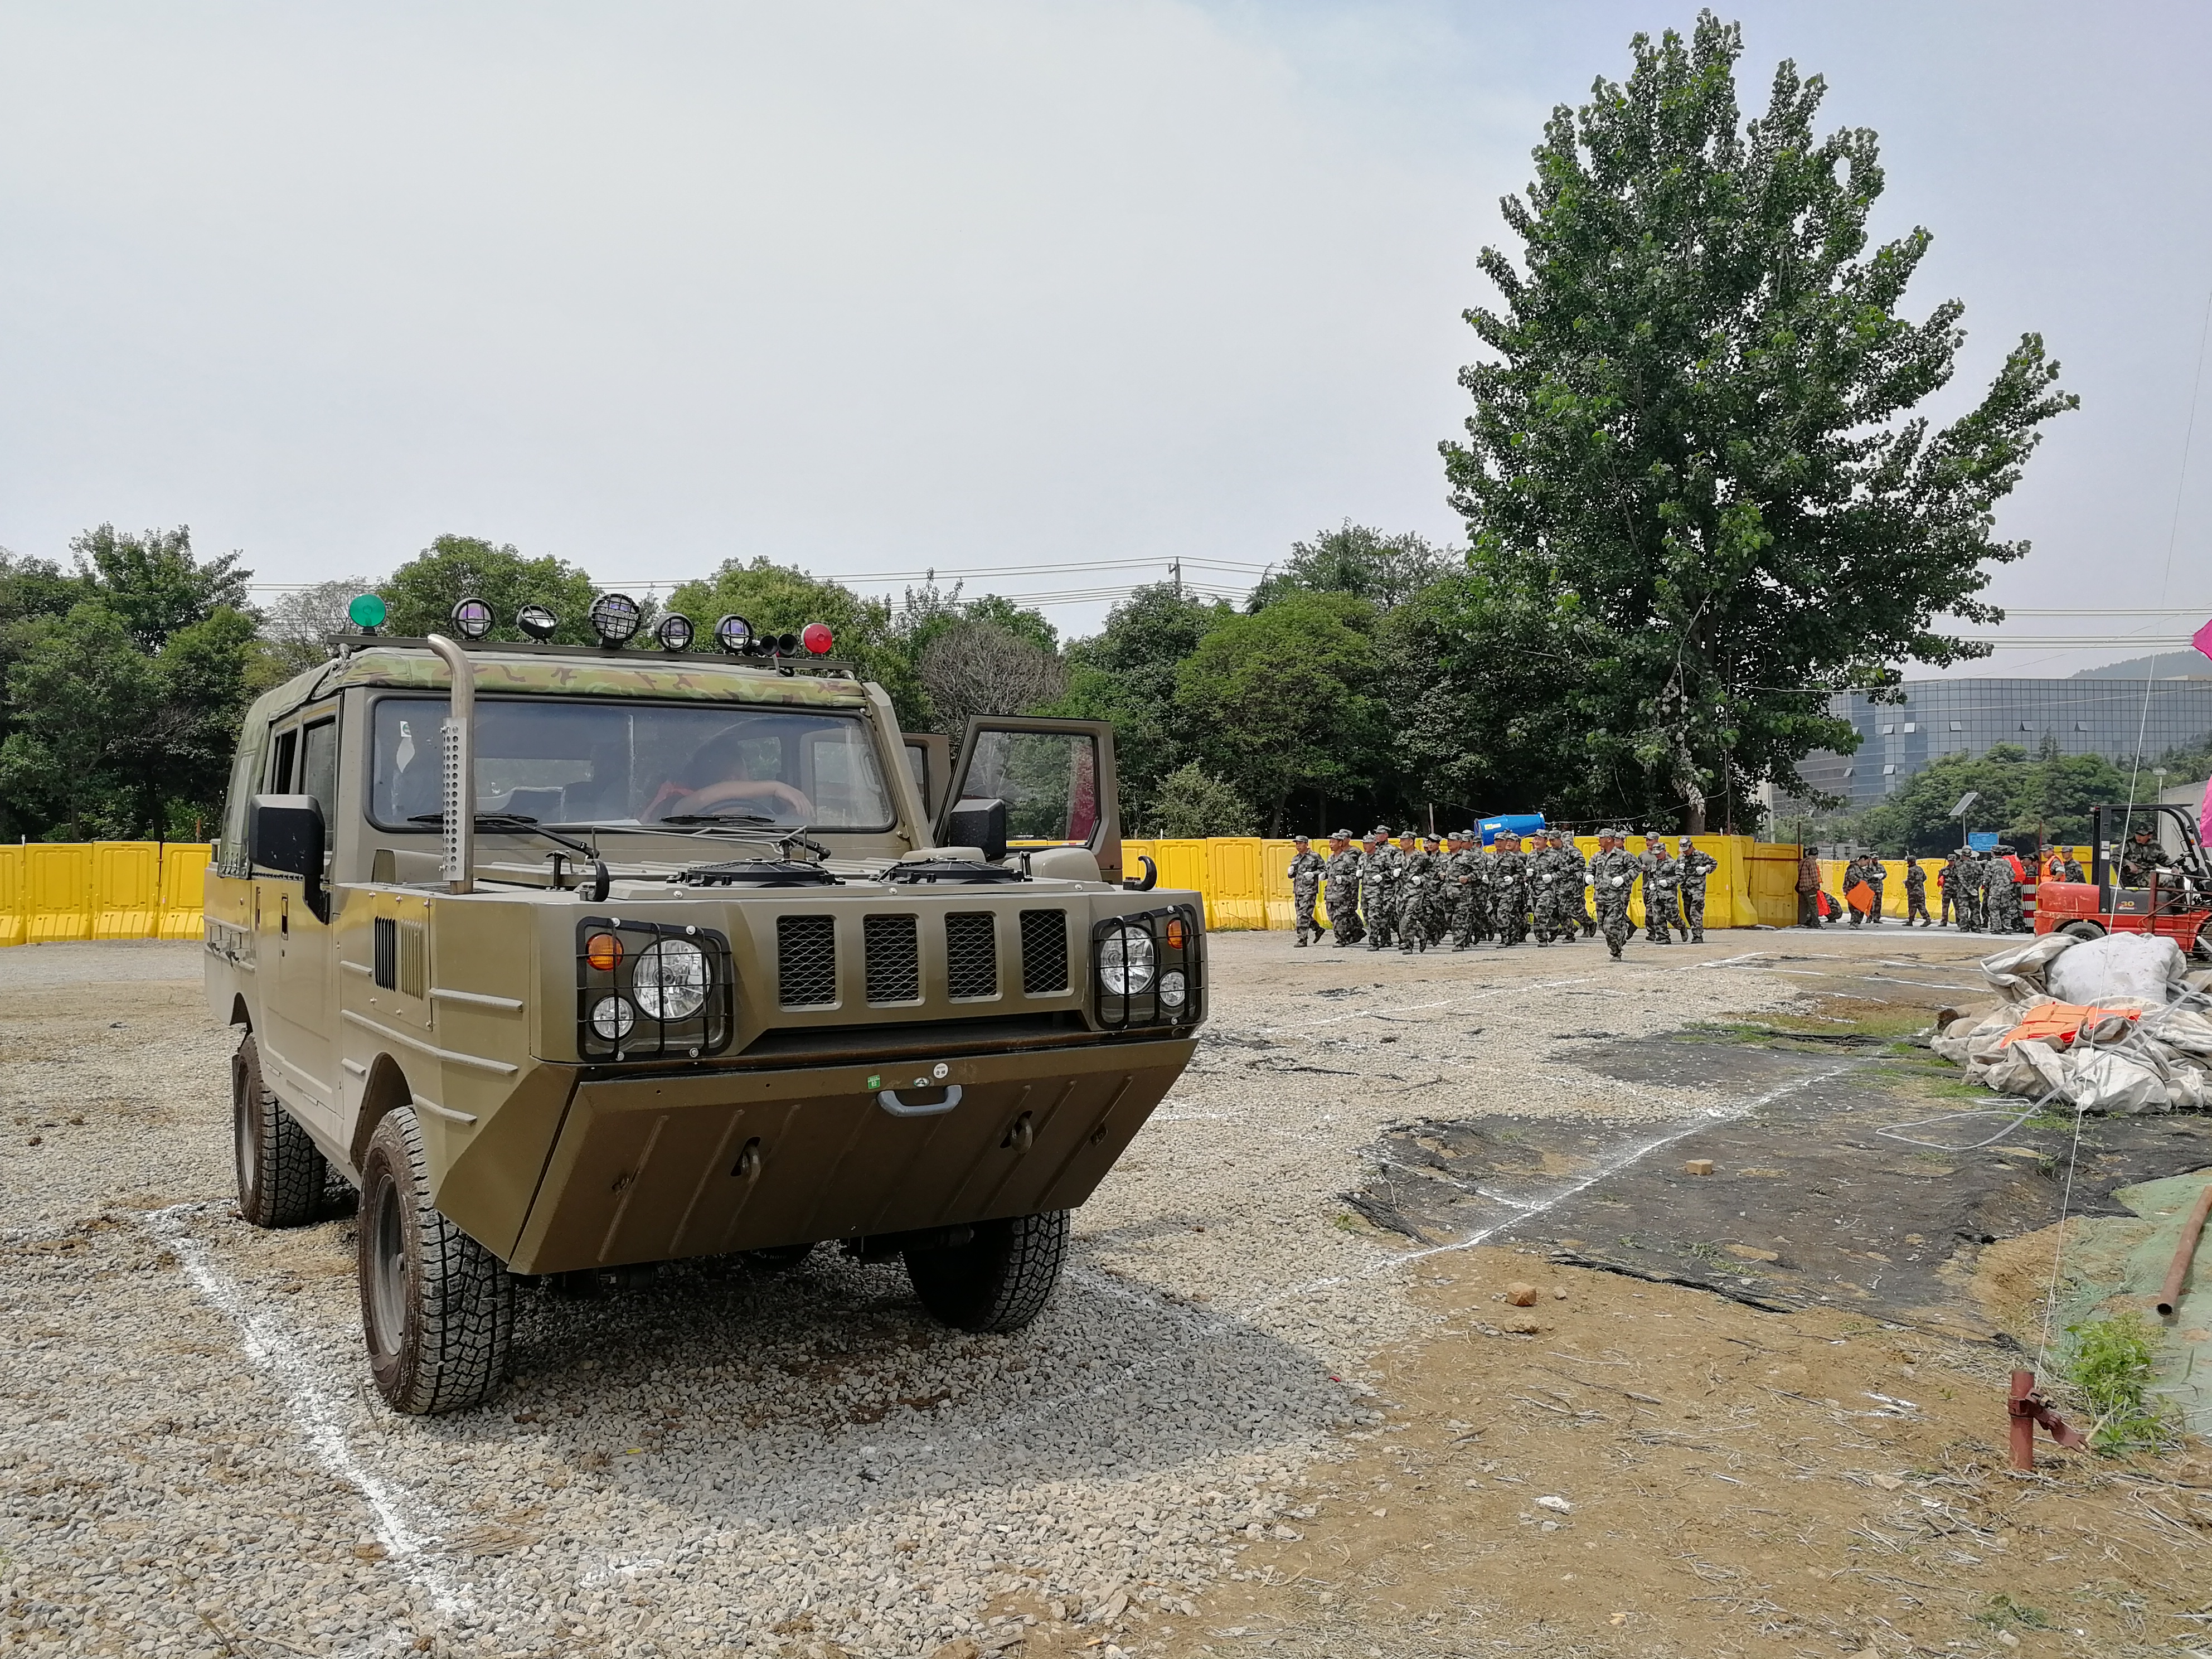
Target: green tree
{"points": [[1695, 444], [155, 584], [420, 596], [82, 759], [295, 625], [2023, 797], [1192, 804], [1385, 570], [1281, 701], [782, 599]]}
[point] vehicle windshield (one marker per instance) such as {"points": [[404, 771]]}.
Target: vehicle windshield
{"points": [[567, 762]]}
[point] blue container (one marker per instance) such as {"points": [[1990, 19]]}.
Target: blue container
{"points": [[1523, 825]]}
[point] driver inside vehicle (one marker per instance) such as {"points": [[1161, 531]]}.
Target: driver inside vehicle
{"points": [[716, 781]]}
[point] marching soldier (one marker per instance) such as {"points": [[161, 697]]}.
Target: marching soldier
{"points": [[1543, 870], [1577, 868], [1695, 866], [1612, 878], [1415, 889], [1659, 873], [1305, 872], [1508, 891], [1467, 890], [1379, 877], [1915, 892], [1340, 889]]}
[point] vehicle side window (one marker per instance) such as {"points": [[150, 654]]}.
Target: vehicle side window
{"points": [[319, 771], [281, 753], [1048, 779]]}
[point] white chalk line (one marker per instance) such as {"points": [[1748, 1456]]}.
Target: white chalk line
{"points": [[317, 1408]]}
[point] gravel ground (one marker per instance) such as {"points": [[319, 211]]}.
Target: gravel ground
{"points": [[191, 1461]]}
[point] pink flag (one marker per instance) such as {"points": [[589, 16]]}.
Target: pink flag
{"points": [[2203, 639], [2204, 818]]}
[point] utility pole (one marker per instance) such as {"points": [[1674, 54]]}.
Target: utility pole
{"points": [[1177, 566]]}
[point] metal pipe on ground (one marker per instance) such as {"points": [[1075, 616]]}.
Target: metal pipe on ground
{"points": [[2169, 1296]]}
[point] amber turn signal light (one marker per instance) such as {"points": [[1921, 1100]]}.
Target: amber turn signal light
{"points": [[603, 952], [1175, 935]]}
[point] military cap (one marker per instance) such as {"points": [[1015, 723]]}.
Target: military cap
{"points": [[1344, 834], [1381, 830], [1297, 838]]}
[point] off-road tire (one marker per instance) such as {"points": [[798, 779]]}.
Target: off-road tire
{"points": [[998, 1280], [437, 1308], [279, 1171]]}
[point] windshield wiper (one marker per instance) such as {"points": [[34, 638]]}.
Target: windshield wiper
{"points": [[513, 822], [716, 817]]}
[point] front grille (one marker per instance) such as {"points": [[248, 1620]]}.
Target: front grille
{"points": [[399, 949], [1044, 952], [971, 954], [806, 961], [893, 958]]}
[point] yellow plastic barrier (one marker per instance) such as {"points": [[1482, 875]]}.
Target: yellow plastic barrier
{"points": [[184, 881], [11, 895], [126, 885], [56, 892]]}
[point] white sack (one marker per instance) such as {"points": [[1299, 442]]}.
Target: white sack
{"points": [[2098, 970], [2020, 972], [2102, 1081]]}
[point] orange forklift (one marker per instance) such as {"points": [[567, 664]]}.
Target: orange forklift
{"points": [[2175, 904]]}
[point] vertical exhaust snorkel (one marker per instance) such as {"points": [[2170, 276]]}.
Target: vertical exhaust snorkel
{"points": [[458, 749]]}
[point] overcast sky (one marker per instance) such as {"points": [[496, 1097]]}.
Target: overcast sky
{"points": [[981, 287]]}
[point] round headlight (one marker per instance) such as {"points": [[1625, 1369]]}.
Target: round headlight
{"points": [[670, 979], [734, 634], [537, 622], [1126, 960], [674, 632], [612, 1018], [472, 619], [1175, 989], [614, 618]]}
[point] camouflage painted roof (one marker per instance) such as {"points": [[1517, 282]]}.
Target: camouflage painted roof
{"points": [[700, 678]]}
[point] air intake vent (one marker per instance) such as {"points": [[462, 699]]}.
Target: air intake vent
{"points": [[893, 958], [402, 953], [1044, 952], [971, 954], [806, 961]]}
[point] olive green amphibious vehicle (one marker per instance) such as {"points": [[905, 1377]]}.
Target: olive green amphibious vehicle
{"points": [[715, 960]]}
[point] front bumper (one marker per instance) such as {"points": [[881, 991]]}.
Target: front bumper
{"points": [[661, 1166]]}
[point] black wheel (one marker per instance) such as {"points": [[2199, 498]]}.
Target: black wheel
{"points": [[2083, 930], [777, 1258], [280, 1170], [998, 1280], [436, 1307]]}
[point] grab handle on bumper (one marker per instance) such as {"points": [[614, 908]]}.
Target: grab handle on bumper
{"points": [[888, 1100]]}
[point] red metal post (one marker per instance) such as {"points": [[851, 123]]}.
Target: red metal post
{"points": [[2023, 1420]]}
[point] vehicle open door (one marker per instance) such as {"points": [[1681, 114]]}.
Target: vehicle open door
{"points": [[929, 756], [1056, 778]]}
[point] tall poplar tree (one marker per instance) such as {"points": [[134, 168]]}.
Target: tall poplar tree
{"points": [[1695, 480]]}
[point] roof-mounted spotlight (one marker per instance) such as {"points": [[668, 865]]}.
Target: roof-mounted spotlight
{"points": [[365, 611], [734, 634], [614, 618], [674, 632], [537, 622], [815, 637], [472, 618]]}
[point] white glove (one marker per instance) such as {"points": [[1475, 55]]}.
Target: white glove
{"points": [[1620, 881]]}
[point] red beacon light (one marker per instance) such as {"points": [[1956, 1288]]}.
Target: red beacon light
{"points": [[815, 637]]}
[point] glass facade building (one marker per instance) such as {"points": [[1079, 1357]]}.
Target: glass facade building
{"points": [[2083, 715]]}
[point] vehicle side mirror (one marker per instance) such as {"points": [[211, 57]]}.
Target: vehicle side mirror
{"points": [[285, 833], [974, 823]]}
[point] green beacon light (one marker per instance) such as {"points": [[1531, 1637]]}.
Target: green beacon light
{"points": [[366, 612]]}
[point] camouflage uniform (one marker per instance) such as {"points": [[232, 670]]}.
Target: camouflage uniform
{"points": [[1305, 871], [1543, 882], [1695, 865], [1577, 897], [2005, 915], [1341, 888], [1612, 878], [2067, 867], [1863, 868], [1385, 867], [1416, 900], [1954, 895], [1508, 892], [1659, 874], [1916, 893], [1466, 893], [2139, 858], [1976, 894]]}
